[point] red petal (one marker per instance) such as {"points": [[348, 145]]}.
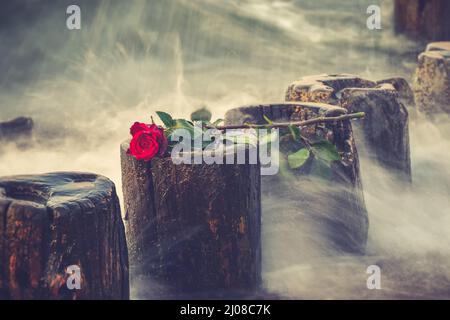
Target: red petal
{"points": [[138, 127]]}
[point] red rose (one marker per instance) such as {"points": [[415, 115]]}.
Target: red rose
{"points": [[148, 141]]}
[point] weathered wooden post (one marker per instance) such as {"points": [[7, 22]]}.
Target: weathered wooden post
{"points": [[404, 90], [384, 130], [432, 79], [342, 209], [51, 222], [195, 227], [423, 19]]}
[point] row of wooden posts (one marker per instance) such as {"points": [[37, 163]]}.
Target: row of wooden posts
{"points": [[198, 227]]}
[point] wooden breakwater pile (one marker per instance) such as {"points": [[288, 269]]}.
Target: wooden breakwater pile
{"points": [[423, 19], [431, 83], [62, 237], [384, 129], [195, 227], [342, 209]]}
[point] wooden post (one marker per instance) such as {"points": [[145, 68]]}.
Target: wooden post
{"points": [[53, 221], [423, 19], [405, 92], [432, 79], [384, 130], [195, 227], [339, 207]]}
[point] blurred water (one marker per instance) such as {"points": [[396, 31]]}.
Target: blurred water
{"points": [[84, 89]]}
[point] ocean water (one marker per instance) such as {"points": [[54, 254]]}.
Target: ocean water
{"points": [[84, 88]]}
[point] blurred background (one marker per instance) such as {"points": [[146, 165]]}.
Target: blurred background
{"points": [[83, 89]]}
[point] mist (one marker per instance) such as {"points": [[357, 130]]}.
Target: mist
{"points": [[85, 88]]}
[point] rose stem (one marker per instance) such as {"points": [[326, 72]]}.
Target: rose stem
{"points": [[357, 115]]}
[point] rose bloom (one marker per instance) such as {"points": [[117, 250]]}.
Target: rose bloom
{"points": [[148, 141]]}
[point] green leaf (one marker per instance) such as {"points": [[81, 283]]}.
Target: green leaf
{"points": [[295, 131], [217, 122], [184, 124], [325, 151], [166, 118], [298, 158], [202, 114], [267, 119], [168, 132], [206, 144]]}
